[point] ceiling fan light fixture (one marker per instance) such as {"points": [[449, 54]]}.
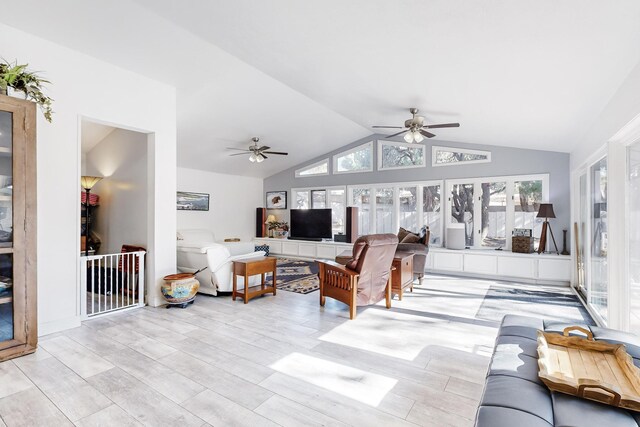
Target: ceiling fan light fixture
{"points": [[408, 137], [259, 158], [252, 158], [417, 136]]}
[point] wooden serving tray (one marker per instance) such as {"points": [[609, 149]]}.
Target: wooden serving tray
{"points": [[594, 370]]}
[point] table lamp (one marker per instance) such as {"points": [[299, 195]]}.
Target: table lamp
{"points": [[87, 182], [546, 212], [270, 219]]}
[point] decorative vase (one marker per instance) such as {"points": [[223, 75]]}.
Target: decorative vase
{"points": [[180, 289]]}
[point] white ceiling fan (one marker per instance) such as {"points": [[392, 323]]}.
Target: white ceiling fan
{"points": [[256, 154], [416, 128]]}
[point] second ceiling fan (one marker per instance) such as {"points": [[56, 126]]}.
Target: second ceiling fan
{"points": [[416, 128], [256, 154]]}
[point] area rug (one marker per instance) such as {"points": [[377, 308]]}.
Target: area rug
{"points": [[559, 306], [295, 275]]}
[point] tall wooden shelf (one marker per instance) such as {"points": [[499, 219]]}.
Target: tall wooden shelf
{"points": [[18, 302]]}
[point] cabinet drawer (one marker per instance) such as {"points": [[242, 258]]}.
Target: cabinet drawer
{"points": [[554, 269], [289, 248], [326, 252], [447, 261], [307, 250], [517, 267], [484, 264]]}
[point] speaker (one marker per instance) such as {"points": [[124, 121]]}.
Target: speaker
{"points": [[352, 224], [261, 218]]}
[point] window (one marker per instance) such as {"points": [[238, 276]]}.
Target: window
{"points": [[409, 205], [318, 199], [315, 169], [599, 271], [527, 196], [398, 155], [408, 202], [384, 211], [358, 159], [462, 211], [432, 217], [361, 198], [448, 156], [323, 198], [490, 208], [494, 214]]}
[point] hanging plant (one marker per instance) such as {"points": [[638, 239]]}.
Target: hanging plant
{"points": [[17, 77]]}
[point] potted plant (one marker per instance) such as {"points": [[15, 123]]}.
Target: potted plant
{"points": [[279, 228], [17, 77]]}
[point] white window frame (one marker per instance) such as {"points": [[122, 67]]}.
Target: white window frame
{"points": [[326, 189], [382, 143], [477, 208], [437, 148], [353, 150], [311, 166], [396, 186]]}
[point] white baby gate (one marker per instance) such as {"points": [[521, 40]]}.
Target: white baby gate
{"points": [[111, 282]]}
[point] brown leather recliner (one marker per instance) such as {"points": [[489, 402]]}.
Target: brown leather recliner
{"points": [[366, 279]]}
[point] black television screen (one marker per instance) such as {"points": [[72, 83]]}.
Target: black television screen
{"points": [[310, 224]]}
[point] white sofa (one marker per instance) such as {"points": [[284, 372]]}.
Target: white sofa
{"points": [[197, 249]]}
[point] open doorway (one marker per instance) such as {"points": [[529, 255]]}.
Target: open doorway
{"points": [[113, 220]]}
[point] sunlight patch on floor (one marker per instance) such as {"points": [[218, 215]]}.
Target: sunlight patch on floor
{"points": [[389, 333], [356, 384]]}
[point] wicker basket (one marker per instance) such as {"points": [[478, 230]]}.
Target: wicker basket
{"points": [[522, 244]]}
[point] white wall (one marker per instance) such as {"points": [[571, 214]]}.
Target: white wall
{"points": [[121, 218], [620, 110], [232, 204], [84, 86]]}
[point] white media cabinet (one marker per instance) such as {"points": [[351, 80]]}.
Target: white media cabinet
{"points": [[548, 269]]}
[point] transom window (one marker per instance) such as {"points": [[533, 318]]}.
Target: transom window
{"points": [[449, 156], [400, 155], [315, 169], [358, 159]]}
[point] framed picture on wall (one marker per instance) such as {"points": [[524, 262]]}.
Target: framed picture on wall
{"points": [[187, 201], [276, 200]]}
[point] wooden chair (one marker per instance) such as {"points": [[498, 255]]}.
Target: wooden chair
{"points": [[366, 279]]}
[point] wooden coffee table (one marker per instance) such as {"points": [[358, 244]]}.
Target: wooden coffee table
{"points": [[252, 267]]}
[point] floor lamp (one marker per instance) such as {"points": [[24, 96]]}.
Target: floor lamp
{"points": [[546, 212], [87, 183]]}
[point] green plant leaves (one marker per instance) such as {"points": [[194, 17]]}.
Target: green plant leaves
{"points": [[17, 76]]}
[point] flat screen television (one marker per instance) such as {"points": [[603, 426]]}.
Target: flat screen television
{"points": [[310, 224]]}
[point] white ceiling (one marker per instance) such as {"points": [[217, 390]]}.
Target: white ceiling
{"points": [[92, 134], [310, 76]]}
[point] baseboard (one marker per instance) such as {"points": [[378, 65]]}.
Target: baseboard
{"points": [[46, 328]]}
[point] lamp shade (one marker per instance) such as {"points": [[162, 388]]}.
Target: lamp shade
{"points": [[546, 211], [87, 182], [271, 218]]}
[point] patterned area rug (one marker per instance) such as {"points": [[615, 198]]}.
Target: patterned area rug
{"points": [[563, 307], [295, 275]]}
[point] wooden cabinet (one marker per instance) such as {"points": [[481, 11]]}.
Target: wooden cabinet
{"points": [[402, 275], [18, 321]]}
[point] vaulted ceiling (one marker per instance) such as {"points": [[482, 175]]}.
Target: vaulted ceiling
{"points": [[310, 76]]}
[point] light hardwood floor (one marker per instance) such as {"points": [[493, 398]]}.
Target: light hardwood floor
{"points": [[276, 361]]}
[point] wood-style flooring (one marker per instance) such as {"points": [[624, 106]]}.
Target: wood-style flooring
{"points": [[279, 360]]}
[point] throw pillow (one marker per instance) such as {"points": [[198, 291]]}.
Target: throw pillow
{"points": [[411, 238], [402, 233], [264, 248]]}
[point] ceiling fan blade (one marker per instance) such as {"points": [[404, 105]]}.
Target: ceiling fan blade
{"points": [[387, 127], [264, 147], [444, 125], [399, 133], [240, 154], [263, 156], [280, 153], [426, 133], [237, 149]]}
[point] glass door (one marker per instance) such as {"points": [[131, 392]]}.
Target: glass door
{"points": [[6, 227], [598, 280], [633, 195]]}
